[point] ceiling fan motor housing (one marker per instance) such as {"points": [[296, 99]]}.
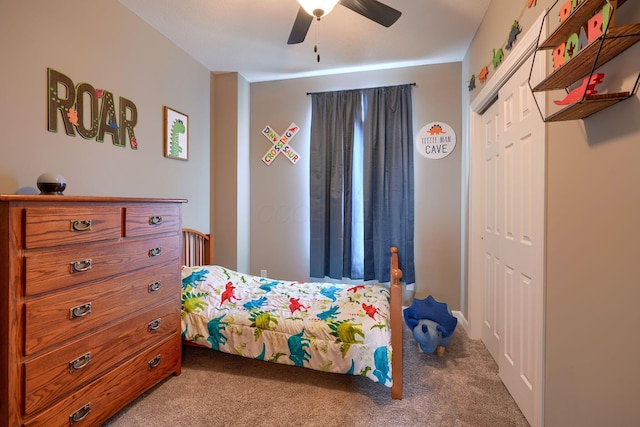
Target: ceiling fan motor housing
{"points": [[370, 9], [318, 8]]}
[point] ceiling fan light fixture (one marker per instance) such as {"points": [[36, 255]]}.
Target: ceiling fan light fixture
{"points": [[318, 8]]}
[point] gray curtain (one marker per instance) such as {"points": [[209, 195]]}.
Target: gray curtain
{"points": [[382, 118]]}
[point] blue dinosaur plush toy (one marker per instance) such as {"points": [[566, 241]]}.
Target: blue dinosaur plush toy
{"points": [[432, 324]]}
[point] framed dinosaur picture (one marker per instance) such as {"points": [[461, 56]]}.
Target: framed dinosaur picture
{"points": [[176, 134]]}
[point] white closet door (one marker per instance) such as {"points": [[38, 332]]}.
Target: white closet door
{"points": [[491, 327], [513, 240]]}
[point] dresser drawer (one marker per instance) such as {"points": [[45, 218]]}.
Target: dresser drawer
{"points": [[99, 400], [53, 226], [52, 270], [69, 314], [69, 367], [146, 220]]}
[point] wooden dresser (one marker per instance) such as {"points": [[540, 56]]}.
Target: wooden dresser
{"points": [[89, 305]]}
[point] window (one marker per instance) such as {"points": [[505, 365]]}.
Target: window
{"points": [[361, 182]]}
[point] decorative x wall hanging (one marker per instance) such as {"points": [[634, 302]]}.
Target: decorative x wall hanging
{"points": [[280, 144]]}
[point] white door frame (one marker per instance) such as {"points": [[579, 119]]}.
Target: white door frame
{"points": [[472, 178]]}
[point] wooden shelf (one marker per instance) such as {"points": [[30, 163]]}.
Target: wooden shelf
{"points": [[584, 63], [572, 24], [590, 105], [616, 41]]}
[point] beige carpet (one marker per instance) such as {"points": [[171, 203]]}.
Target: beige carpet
{"points": [[461, 388]]}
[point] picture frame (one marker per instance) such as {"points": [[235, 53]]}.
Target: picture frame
{"points": [[176, 134]]}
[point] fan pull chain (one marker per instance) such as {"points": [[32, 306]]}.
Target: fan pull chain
{"points": [[316, 47]]}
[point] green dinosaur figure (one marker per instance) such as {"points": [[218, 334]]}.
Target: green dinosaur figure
{"points": [[176, 129], [262, 321], [346, 333], [365, 371], [193, 337], [240, 349], [497, 57], [325, 367], [276, 356], [193, 303]]}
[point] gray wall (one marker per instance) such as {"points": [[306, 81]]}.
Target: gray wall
{"points": [[231, 199], [280, 191], [101, 43], [592, 209]]}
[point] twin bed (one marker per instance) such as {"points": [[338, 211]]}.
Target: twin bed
{"points": [[328, 327]]}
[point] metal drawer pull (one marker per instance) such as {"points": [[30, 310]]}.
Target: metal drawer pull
{"points": [[80, 266], [79, 311], [154, 362], [154, 287], [81, 225], [80, 362], [155, 220], [154, 324], [155, 252], [80, 414]]}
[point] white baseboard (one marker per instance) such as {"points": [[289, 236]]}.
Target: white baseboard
{"points": [[462, 321]]}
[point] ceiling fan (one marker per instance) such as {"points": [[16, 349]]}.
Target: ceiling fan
{"points": [[310, 9]]}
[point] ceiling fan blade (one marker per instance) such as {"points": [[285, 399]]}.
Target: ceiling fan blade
{"points": [[374, 10], [300, 27]]}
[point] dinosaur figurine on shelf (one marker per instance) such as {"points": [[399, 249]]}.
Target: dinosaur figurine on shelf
{"points": [[588, 87]]}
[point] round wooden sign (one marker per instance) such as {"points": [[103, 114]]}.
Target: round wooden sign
{"points": [[436, 140]]}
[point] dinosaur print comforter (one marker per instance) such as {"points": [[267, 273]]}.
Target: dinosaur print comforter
{"points": [[323, 326]]}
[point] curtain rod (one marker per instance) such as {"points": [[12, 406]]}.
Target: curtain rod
{"points": [[346, 90]]}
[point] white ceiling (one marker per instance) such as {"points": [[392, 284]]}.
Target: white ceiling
{"points": [[250, 36]]}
